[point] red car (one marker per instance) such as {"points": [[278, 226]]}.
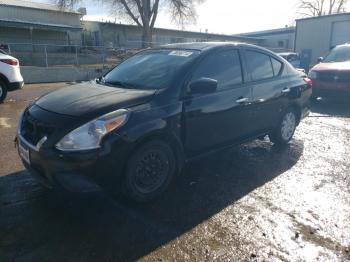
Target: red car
{"points": [[331, 77]]}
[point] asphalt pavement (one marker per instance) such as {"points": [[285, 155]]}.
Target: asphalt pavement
{"points": [[254, 202]]}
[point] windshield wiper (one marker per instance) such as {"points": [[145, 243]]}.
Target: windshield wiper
{"points": [[102, 81], [116, 83], [123, 84]]}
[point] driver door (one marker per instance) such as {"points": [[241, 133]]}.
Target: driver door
{"points": [[223, 116]]}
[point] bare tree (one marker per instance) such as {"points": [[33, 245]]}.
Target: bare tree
{"points": [[321, 7], [144, 12], [63, 4]]}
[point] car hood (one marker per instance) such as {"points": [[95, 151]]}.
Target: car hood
{"points": [[334, 66], [92, 99]]}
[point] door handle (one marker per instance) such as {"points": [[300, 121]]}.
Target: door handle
{"points": [[286, 90], [242, 100]]}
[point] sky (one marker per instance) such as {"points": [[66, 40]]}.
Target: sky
{"points": [[218, 16]]}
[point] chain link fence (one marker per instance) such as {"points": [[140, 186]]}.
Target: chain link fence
{"points": [[44, 55], [47, 55]]}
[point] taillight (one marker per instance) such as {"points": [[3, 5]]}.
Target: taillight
{"points": [[12, 62], [308, 81]]}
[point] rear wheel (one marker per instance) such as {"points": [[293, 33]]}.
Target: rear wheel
{"points": [[149, 171], [286, 128], [3, 91]]}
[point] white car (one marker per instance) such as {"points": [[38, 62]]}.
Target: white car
{"points": [[10, 75]]}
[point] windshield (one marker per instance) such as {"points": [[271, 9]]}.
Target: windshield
{"points": [[338, 54], [151, 69]]}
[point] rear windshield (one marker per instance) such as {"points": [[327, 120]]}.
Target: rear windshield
{"points": [[151, 69], [338, 54]]}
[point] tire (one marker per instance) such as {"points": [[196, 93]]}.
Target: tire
{"points": [[3, 91], [286, 128], [149, 171]]}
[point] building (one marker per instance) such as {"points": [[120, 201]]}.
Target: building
{"points": [[25, 25], [315, 36], [280, 40], [27, 22], [112, 35]]}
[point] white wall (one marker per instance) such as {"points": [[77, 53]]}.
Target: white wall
{"points": [[316, 34]]}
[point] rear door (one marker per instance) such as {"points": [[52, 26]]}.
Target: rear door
{"points": [[269, 90], [218, 118]]}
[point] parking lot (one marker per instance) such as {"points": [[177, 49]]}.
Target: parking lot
{"points": [[255, 202]]}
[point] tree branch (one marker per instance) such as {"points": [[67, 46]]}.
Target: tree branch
{"points": [[127, 8], [319, 7], [154, 13], [145, 12]]}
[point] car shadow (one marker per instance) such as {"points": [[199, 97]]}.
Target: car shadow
{"points": [[332, 107], [35, 223]]}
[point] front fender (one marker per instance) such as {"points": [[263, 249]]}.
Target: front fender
{"points": [[156, 123], [144, 122]]}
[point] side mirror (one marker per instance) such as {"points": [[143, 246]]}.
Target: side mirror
{"points": [[203, 86], [320, 59]]}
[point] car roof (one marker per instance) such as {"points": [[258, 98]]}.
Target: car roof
{"points": [[205, 46]]}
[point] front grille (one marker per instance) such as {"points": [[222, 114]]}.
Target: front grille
{"points": [[33, 130], [335, 76]]}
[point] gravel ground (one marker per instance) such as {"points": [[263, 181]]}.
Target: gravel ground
{"points": [[255, 202]]}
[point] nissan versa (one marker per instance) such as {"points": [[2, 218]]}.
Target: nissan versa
{"points": [[134, 128]]}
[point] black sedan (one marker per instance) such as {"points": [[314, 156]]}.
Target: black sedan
{"points": [[134, 128]]}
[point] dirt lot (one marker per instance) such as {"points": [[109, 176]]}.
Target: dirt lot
{"points": [[255, 202]]}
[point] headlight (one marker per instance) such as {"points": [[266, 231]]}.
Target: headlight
{"points": [[89, 136], [312, 74]]}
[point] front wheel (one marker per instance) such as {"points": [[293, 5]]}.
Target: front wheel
{"points": [[3, 91], [286, 128], [149, 171]]}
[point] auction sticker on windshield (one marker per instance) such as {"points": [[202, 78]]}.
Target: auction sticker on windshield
{"points": [[181, 53]]}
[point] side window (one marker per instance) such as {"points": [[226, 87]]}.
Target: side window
{"points": [[260, 65], [225, 67], [277, 66]]}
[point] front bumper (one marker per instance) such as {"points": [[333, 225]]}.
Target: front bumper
{"points": [[331, 93], [78, 171], [331, 90], [15, 86]]}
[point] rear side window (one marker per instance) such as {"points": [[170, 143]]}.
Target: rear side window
{"points": [[277, 66], [260, 65], [224, 66]]}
